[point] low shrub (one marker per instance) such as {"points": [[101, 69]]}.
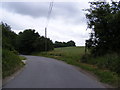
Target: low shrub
{"points": [[10, 62], [109, 61]]}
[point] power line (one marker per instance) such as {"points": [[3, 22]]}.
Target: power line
{"points": [[49, 13], [48, 17], [47, 21]]}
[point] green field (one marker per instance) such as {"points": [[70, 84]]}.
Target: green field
{"points": [[69, 54], [73, 55]]}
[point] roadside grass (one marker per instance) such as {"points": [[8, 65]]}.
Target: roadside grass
{"points": [[11, 62], [22, 58], [68, 54], [0, 61], [73, 55], [104, 76]]}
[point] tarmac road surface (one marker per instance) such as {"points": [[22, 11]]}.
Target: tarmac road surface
{"points": [[42, 72]]}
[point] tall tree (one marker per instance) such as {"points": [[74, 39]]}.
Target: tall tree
{"points": [[104, 19], [70, 43], [30, 41], [64, 44], [25, 41], [42, 44], [8, 37]]}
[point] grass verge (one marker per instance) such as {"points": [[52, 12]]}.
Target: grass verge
{"points": [[22, 58], [11, 62], [73, 55]]}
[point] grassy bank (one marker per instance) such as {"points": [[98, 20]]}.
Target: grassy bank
{"points": [[69, 54], [11, 62], [22, 58], [73, 55]]}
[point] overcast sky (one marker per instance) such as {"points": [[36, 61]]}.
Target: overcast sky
{"points": [[67, 20]]}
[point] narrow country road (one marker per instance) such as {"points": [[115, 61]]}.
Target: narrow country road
{"points": [[41, 72]]}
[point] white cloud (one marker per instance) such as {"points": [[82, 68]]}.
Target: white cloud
{"points": [[60, 28]]}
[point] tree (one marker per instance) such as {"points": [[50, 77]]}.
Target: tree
{"points": [[64, 44], [30, 41], [58, 44], [10, 58], [40, 43], [8, 37], [26, 40], [103, 19], [70, 43]]}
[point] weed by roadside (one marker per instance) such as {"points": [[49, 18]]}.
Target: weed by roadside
{"points": [[22, 58], [10, 63]]}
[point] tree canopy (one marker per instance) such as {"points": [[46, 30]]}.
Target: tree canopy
{"points": [[30, 41], [25, 42], [8, 37], [64, 44], [104, 19]]}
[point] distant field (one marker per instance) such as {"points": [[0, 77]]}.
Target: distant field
{"points": [[69, 54], [73, 55]]}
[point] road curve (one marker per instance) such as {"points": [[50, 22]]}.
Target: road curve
{"points": [[42, 72]]}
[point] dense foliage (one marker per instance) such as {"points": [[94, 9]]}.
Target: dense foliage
{"points": [[10, 62], [64, 44], [8, 37], [43, 44], [25, 42], [104, 19], [10, 59], [104, 43], [30, 41]]}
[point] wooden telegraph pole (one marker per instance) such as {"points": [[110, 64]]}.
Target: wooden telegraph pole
{"points": [[45, 39], [48, 17]]}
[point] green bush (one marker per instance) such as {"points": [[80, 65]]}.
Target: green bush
{"points": [[10, 62], [109, 61]]}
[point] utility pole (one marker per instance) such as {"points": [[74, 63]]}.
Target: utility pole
{"points": [[46, 39], [47, 21], [45, 32]]}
